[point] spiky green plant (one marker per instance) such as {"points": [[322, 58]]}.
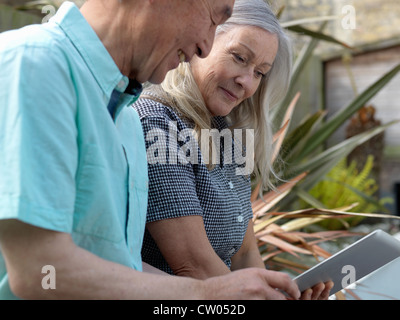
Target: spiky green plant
{"points": [[278, 226], [344, 184], [303, 149]]}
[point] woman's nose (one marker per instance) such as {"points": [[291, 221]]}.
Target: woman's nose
{"points": [[246, 79]]}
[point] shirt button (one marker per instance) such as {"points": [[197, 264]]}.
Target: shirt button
{"points": [[121, 84], [232, 251], [240, 218], [230, 184]]}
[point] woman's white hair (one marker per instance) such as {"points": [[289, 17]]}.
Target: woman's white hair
{"points": [[181, 92]]}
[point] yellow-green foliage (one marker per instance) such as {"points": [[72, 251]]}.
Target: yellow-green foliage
{"points": [[344, 185]]}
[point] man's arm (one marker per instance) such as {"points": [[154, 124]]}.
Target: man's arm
{"points": [[82, 275], [79, 274], [150, 269], [184, 244]]}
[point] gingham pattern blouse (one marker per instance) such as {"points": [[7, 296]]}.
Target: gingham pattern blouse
{"points": [[177, 189]]}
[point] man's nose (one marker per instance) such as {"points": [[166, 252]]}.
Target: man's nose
{"points": [[205, 46]]}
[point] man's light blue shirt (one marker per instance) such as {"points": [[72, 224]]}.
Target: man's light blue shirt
{"points": [[65, 163]]}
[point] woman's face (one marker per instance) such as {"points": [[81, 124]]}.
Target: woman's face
{"points": [[238, 61]]}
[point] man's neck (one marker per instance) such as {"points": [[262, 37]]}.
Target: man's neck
{"points": [[109, 20]]}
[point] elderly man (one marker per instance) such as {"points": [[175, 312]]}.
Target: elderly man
{"points": [[73, 170]]}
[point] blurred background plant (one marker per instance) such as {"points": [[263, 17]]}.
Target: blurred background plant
{"points": [[320, 196], [18, 13], [345, 184]]}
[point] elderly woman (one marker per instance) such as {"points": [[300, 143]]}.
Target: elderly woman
{"points": [[199, 221]]}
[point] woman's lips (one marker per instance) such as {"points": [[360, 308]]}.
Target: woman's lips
{"points": [[230, 95]]}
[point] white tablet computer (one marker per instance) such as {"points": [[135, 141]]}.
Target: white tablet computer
{"points": [[353, 262]]}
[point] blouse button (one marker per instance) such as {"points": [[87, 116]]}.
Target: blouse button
{"points": [[240, 218], [230, 184]]}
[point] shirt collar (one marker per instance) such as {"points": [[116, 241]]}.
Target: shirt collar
{"points": [[93, 52]]}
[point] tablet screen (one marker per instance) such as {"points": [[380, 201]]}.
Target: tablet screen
{"points": [[353, 262]]}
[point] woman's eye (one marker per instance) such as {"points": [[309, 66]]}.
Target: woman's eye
{"points": [[239, 58], [259, 74]]}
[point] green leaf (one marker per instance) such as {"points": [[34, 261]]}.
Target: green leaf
{"points": [[309, 199], [294, 140], [278, 14], [322, 134], [299, 65], [294, 23], [361, 194], [341, 149], [317, 35], [320, 165]]}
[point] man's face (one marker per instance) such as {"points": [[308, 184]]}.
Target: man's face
{"points": [[184, 28]]}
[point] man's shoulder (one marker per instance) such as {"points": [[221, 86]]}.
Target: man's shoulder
{"points": [[33, 37]]}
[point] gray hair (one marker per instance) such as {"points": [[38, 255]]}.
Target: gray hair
{"points": [[254, 112], [257, 13]]}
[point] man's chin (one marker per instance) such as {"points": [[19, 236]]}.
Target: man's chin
{"points": [[156, 78]]}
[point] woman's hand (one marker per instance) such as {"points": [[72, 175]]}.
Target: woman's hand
{"points": [[320, 291]]}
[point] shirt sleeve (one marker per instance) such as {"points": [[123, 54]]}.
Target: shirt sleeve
{"points": [[38, 136], [172, 184]]}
